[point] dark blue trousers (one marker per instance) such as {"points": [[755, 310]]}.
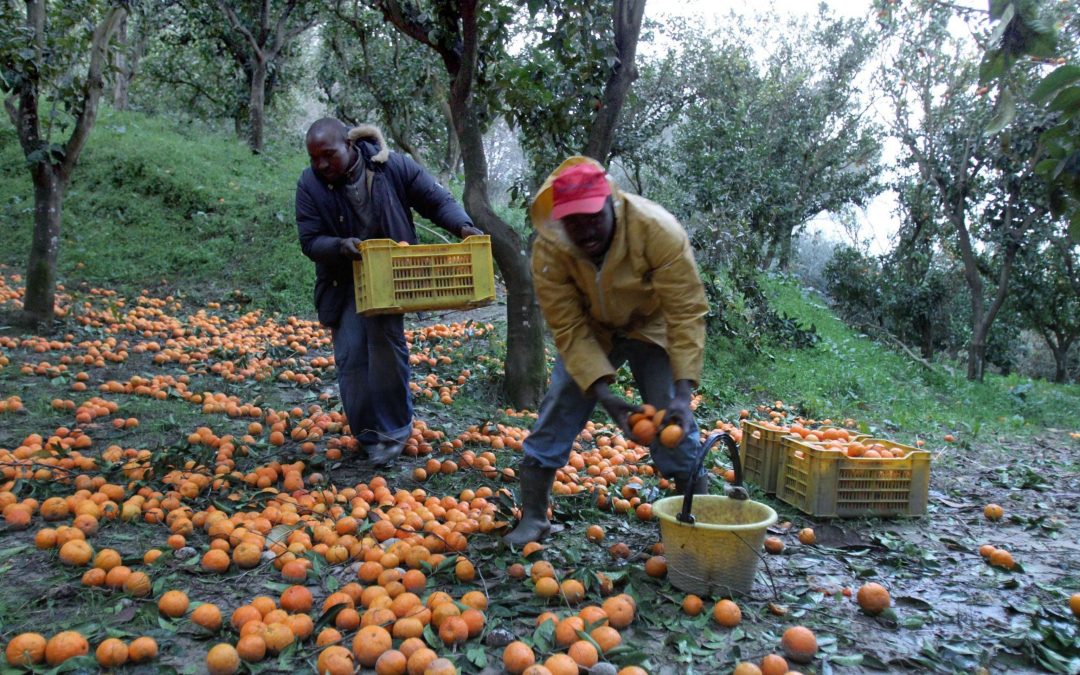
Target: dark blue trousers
{"points": [[565, 410], [372, 360]]}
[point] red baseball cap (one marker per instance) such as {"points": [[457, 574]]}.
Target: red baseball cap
{"points": [[582, 188]]}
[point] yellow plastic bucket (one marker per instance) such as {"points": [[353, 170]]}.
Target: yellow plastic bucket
{"points": [[717, 554]]}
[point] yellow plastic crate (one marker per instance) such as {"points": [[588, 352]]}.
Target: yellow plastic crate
{"points": [[759, 451], [828, 483], [393, 279]]}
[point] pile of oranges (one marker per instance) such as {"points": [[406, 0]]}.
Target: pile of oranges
{"points": [[602, 623]]}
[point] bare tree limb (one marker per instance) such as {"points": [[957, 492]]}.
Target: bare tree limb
{"points": [[392, 12], [27, 123], [283, 36], [627, 16], [199, 89], [92, 88], [234, 21], [878, 331]]}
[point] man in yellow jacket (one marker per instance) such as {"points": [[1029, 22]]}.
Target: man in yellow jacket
{"points": [[617, 283]]}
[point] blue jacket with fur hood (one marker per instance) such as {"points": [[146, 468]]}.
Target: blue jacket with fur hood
{"points": [[324, 216]]}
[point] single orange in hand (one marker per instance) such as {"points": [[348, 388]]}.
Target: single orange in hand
{"points": [[671, 435], [644, 431]]}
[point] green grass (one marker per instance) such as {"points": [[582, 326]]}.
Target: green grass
{"points": [[155, 200], [849, 375]]}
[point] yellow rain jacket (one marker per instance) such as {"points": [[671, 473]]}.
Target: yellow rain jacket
{"points": [[646, 289]]}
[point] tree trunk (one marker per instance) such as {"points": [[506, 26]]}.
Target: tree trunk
{"points": [[977, 355], [239, 122], [453, 147], [927, 338], [783, 261], [627, 22], [979, 326], [50, 180], [525, 370], [1061, 366], [1060, 349], [120, 67], [45, 245], [771, 250], [256, 107]]}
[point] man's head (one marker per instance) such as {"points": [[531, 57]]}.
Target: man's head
{"points": [[328, 147], [581, 199]]}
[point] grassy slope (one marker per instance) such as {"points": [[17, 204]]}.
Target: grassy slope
{"points": [[849, 375], [153, 199]]}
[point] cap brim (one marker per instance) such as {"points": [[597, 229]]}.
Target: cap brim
{"points": [[588, 205]]}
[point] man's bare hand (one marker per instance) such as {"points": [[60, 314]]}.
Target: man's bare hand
{"points": [[469, 231], [350, 248]]}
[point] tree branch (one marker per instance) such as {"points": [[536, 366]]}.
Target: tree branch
{"points": [[871, 329], [199, 89], [282, 35], [95, 83], [392, 12], [27, 123], [234, 21]]}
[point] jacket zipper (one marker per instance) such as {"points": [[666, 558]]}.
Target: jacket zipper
{"points": [[600, 292]]}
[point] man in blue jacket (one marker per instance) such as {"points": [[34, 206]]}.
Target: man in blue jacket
{"points": [[357, 189]]}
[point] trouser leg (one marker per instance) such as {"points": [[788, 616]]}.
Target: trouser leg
{"points": [[388, 377], [372, 361], [563, 414]]}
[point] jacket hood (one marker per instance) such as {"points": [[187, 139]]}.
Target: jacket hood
{"points": [[371, 134], [540, 210]]}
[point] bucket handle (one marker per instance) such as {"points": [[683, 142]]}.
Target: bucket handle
{"points": [[736, 490]]}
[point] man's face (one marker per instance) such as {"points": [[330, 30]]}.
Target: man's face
{"points": [[591, 232], [329, 157]]}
